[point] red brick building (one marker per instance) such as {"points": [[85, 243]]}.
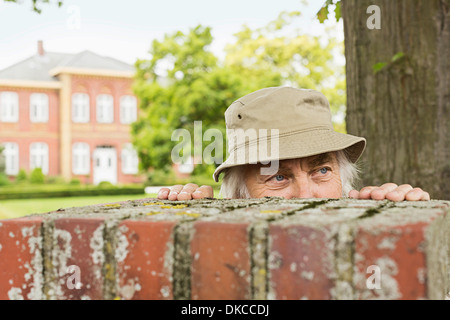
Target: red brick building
{"points": [[70, 115]]}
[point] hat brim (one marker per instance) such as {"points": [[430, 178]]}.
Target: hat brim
{"points": [[298, 145]]}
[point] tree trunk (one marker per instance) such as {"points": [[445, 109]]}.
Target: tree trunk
{"points": [[403, 108]]}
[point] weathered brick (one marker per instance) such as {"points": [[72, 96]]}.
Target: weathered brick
{"points": [[144, 256], [391, 252], [258, 218], [78, 242], [220, 261], [21, 270], [300, 263], [308, 255]]}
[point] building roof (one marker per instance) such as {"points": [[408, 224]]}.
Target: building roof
{"points": [[91, 60], [38, 67]]}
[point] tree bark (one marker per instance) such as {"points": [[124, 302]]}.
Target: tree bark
{"points": [[403, 109]]}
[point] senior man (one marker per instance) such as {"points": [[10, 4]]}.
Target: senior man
{"points": [[311, 159]]}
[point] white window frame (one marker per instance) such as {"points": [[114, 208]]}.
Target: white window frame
{"points": [[80, 108], [128, 109], [81, 158], [130, 159], [39, 107], [9, 106], [105, 108], [11, 154], [39, 156]]}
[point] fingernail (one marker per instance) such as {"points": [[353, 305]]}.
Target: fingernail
{"points": [[164, 192]]}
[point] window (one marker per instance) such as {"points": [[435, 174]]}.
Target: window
{"points": [[80, 158], [130, 160], [38, 107], [11, 154], [128, 109], [105, 108], [9, 107], [80, 108], [39, 156]]}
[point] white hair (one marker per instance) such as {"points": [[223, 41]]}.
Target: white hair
{"points": [[348, 171], [233, 185]]}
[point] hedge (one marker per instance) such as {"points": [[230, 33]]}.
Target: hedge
{"points": [[57, 191]]}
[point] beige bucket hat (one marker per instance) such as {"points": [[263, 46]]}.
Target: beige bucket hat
{"points": [[301, 119]]}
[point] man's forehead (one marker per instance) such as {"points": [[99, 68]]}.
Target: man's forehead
{"points": [[311, 161]]}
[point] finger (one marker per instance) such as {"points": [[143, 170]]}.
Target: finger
{"points": [[163, 193], [186, 192], [203, 192], [365, 192], [426, 196], [380, 193], [174, 191], [399, 193], [354, 194], [417, 194]]}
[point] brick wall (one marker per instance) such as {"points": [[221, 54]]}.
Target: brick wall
{"points": [[116, 134], [24, 132], [96, 134], [230, 249]]}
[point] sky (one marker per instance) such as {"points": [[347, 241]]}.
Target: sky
{"points": [[125, 29]]}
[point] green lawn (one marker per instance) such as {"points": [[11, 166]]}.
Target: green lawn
{"points": [[21, 207]]}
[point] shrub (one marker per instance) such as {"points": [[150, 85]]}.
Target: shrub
{"points": [[75, 182], [21, 176], [105, 184], [55, 180], [2, 160], [36, 176], [4, 181], [52, 191], [161, 178]]}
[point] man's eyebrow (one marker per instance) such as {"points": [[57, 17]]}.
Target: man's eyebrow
{"points": [[320, 160], [313, 162]]}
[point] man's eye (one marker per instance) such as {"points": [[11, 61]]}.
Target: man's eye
{"points": [[324, 170], [279, 177]]}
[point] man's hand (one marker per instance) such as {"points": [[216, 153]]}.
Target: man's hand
{"points": [[391, 191], [187, 192]]}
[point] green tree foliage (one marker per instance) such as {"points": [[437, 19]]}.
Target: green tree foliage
{"points": [[180, 84], [183, 81], [322, 15], [280, 54], [36, 4]]}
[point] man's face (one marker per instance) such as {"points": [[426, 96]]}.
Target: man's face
{"points": [[312, 177]]}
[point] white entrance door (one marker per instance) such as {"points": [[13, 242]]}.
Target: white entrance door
{"points": [[105, 165]]}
